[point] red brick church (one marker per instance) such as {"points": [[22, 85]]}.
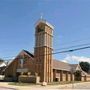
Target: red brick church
{"points": [[40, 66]]}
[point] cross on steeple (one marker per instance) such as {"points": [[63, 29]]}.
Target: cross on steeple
{"points": [[41, 16]]}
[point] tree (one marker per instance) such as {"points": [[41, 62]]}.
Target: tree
{"points": [[77, 75], [85, 66]]}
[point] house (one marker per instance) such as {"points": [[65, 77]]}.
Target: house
{"points": [[2, 67]]}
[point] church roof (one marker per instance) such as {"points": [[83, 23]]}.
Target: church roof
{"points": [[73, 67], [45, 22], [59, 65], [29, 53]]}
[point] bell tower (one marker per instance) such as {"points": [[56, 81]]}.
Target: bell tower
{"points": [[43, 50]]}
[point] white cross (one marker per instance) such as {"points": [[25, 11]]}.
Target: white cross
{"points": [[21, 62]]}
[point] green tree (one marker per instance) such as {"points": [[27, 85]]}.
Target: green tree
{"points": [[77, 75], [85, 66]]}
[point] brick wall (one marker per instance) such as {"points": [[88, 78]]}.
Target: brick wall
{"points": [[11, 70]]}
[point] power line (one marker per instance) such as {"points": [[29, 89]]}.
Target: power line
{"points": [[66, 51], [79, 40], [72, 46], [70, 50]]}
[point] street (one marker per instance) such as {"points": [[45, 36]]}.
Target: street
{"points": [[6, 88], [77, 86]]}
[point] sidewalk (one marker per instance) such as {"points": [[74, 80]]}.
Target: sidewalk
{"points": [[77, 86]]}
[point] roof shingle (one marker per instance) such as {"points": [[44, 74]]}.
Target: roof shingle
{"points": [[61, 65]]}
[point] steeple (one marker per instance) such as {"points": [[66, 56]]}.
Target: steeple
{"points": [[43, 48], [43, 21]]}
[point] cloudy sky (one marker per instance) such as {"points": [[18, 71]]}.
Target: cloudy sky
{"points": [[75, 59], [70, 18]]}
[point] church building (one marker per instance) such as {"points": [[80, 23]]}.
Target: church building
{"points": [[40, 66]]}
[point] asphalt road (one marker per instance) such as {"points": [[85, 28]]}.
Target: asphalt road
{"points": [[5, 88]]}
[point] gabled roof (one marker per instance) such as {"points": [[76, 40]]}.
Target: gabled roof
{"points": [[29, 53], [59, 65], [73, 67], [83, 73]]}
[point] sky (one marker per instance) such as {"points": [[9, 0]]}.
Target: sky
{"points": [[70, 18]]}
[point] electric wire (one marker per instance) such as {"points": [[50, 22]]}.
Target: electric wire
{"points": [[63, 51]]}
